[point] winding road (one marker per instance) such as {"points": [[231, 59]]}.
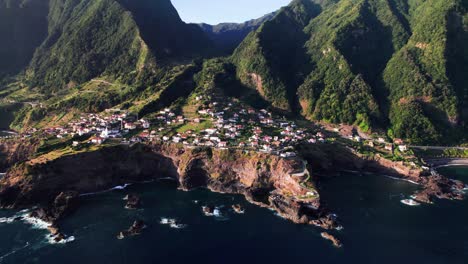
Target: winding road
{"points": [[438, 147]]}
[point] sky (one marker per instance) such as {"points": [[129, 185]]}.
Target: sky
{"points": [[218, 11]]}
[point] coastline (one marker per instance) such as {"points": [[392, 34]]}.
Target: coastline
{"points": [[265, 180]]}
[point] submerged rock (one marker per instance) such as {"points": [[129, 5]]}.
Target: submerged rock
{"points": [[437, 186], [326, 222], [238, 208], [134, 230], [59, 237], [133, 201], [208, 210]]}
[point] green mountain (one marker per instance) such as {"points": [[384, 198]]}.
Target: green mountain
{"points": [[397, 66], [378, 64], [23, 26], [119, 39], [227, 36], [272, 59]]}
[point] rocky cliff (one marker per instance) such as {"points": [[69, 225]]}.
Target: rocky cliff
{"points": [[14, 151], [264, 179], [283, 185]]}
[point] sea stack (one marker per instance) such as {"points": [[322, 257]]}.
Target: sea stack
{"points": [[134, 230]]}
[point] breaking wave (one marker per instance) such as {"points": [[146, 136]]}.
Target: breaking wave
{"points": [[51, 240], [172, 223]]}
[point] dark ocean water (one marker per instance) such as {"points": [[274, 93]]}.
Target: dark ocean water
{"points": [[378, 228]]}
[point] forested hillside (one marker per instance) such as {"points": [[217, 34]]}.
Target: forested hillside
{"points": [[378, 64], [74, 41], [23, 26], [396, 66]]}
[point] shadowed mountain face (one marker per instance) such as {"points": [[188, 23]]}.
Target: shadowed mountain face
{"points": [[74, 41], [23, 26], [164, 31], [227, 36]]}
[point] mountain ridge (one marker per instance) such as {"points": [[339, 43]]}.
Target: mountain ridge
{"points": [[227, 36], [392, 66]]}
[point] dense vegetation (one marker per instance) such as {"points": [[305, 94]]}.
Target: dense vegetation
{"points": [[390, 65], [377, 64], [74, 41], [23, 26], [275, 54]]}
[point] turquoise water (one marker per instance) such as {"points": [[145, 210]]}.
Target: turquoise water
{"points": [[378, 229]]}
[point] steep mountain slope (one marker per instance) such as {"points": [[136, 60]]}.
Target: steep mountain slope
{"points": [[227, 36], [420, 76], [23, 26], [83, 39], [119, 39], [271, 59], [391, 64], [350, 45]]}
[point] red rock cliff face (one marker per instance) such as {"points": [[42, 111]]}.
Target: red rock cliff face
{"points": [[14, 151], [30, 184], [264, 179]]}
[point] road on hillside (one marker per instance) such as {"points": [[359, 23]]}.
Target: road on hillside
{"points": [[438, 147]]}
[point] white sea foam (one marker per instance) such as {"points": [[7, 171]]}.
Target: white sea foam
{"points": [[410, 202], [36, 223], [217, 213], [177, 226], [7, 220], [401, 179], [172, 223], [205, 212], [118, 187], [166, 221], [51, 240]]}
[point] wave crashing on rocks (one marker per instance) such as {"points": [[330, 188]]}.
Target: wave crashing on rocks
{"points": [[172, 223]]}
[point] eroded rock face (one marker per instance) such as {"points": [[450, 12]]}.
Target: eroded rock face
{"points": [[264, 179], [437, 186], [14, 151], [30, 184], [332, 238], [331, 158]]}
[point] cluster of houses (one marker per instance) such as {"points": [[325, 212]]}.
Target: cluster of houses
{"points": [[101, 127], [234, 126], [376, 141], [226, 124]]}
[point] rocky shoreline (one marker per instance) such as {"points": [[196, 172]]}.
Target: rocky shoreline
{"points": [[265, 180]]}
